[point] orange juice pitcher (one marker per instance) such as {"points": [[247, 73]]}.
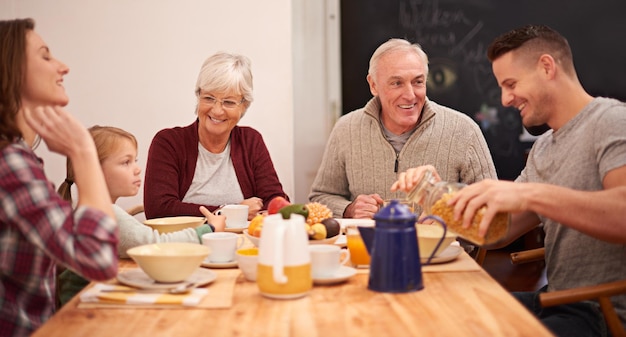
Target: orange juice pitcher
{"points": [[284, 267]]}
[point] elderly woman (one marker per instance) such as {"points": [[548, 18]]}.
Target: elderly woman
{"points": [[212, 161]]}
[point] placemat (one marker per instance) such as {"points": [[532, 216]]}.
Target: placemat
{"points": [[219, 296], [463, 262], [123, 295]]}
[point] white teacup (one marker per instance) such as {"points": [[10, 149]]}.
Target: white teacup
{"points": [[222, 245], [326, 260], [236, 215]]}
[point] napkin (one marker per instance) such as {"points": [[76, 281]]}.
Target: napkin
{"points": [[97, 294], [220, 296]]}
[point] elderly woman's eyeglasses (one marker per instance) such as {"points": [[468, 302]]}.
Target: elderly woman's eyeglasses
{"points": [[228, 104]]}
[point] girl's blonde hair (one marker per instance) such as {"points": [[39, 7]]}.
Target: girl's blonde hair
{"points": [[107, 140]]}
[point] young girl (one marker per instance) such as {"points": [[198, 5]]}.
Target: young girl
{"points": [[38, 229], [117, 152]]}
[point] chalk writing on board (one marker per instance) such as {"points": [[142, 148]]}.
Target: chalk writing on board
{"points": [[435, 26], [454, 36], [454, 39]]}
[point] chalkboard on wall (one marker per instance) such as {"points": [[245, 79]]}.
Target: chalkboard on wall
{"points": [[456, 33]]}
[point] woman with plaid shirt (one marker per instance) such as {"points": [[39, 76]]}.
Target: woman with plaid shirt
{"points": [[38, 229]]}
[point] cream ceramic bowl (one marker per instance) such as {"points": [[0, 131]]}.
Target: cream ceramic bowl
{"points": [[429, 235], [175, 223], [169, 262]]}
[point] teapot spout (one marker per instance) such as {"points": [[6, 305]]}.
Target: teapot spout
{"points": [[367, 234]]}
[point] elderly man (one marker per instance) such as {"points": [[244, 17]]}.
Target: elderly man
{"points": [[397, 129]]}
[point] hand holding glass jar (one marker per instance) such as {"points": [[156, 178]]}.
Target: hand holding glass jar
{"points": [[433, 195]]}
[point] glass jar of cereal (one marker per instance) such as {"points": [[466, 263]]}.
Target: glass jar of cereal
{"points": [[433, 197]]}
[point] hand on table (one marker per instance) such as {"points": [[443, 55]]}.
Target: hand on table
{"points": [[254, 206], [364, 206]]}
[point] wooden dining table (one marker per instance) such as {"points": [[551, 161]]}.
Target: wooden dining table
{"points": [[458, 303]]}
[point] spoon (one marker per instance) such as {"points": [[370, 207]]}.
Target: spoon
{"points": [[183, 288], [180, 289]]}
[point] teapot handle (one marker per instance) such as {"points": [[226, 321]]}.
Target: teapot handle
{"points": [[445, 230], [278, 270]]}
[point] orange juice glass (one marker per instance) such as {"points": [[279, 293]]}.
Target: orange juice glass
{"points": [[358, 252]]}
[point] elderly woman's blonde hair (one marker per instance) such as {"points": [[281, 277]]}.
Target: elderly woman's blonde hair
{"points": [[394, 45], [226, 72]]}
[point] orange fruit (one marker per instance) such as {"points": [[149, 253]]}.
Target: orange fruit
{"points": [[255, 226]]}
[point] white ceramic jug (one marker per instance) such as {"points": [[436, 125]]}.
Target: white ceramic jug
{"points": [[284, 268]]}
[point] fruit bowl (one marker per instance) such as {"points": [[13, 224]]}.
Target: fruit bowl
{"points": [[169, 262], [251, 238], [255, 240], [328, 241]]}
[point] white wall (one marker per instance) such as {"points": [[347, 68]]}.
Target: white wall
{"points": [[316, 47], [133, 64]]}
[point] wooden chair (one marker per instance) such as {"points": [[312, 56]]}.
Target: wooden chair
{"points": [[526, 256], [480, 255], [600, 292]]}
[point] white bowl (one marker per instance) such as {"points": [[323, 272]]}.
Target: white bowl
{"points": [[174, 223], [169, 262], [253, 239], [429, 235]]}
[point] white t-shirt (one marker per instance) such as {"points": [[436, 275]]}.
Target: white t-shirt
{"points": [[214, 180]]}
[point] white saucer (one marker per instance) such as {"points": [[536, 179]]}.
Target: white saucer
{"points": [[208, 264], [237, 230], [343, 274], [362, 222], [137, 278], [448, 254]]}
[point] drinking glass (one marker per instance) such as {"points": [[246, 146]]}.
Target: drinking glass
{"points": [[359, 256]]}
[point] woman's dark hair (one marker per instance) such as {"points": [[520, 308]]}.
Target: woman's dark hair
{"points": [[12, 74]]}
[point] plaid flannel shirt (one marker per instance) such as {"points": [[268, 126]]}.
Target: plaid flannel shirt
{"points": [[37, 230]]}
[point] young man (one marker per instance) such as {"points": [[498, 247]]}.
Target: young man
{"points": [[574, 181]]}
